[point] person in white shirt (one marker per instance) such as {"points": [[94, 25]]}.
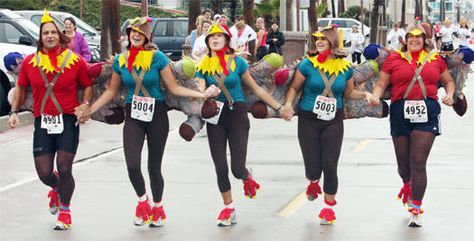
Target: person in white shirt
{"points": [[464, 33], [396, 36], [357, 44], [242, 34], [446, 33], [200, 47]]}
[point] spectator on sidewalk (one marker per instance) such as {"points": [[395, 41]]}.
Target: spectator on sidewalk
{"points": [[357, 44], [275, 40]]}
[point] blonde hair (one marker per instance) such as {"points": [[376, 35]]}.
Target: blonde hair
{"points": [[240, 24], [200, 19]]}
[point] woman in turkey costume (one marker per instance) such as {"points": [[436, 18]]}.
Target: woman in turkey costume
{"points": [[220, 67], [54, 74], [414, 72], [142, 69], [324, 76]]}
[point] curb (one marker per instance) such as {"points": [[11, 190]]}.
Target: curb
{"points": [[26, 118]]}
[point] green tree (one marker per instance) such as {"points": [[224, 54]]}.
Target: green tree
{"points": [[270, 10], [354, 12]]}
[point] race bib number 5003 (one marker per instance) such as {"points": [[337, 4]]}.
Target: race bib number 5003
{"points": [[325, 107]]}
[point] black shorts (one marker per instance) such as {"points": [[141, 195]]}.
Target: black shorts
{"points": [[68, 140], [399, 126]]}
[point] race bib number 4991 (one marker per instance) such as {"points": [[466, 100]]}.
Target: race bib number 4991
{"points": [[52, 123], [325, 107], [416, 111], [143, 108]]}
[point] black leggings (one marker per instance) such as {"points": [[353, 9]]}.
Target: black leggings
{"points": [[233, 126], [156, 132], [320, 143], [412, 154]]}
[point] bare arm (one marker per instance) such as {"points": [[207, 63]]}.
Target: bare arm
{"points": [[449, 87], [293, 89], [171, 83], [351, 93], [379, 88], [259, 92], [18, 99]]}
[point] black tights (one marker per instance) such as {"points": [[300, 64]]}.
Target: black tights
{"points": [[412, 154], [156, 132], [44, 167], [320, 143]]}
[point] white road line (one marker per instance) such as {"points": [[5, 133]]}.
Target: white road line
{"points": [[293, 205], [78, 164]]}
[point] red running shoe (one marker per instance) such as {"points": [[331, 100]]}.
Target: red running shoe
{"points": [[64, 220], [227, 217], [158, 217], [142, 213]]}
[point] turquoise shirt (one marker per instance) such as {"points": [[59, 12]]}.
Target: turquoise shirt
{"points": [[314, 85], [151, 80], [233, 82]]}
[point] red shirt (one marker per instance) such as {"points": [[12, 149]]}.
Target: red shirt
{"points": [[401, 73], [264, 38], [65, 88]]}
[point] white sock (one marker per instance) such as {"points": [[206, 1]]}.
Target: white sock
{"points": [[159, 204], [142, 198], [230, 205]]}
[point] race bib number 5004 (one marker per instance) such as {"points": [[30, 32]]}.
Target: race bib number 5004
{"points": [[142, 108]]}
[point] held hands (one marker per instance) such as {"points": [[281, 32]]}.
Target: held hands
{"points": [[448, 100], [82, 112], [287, 113], [211, 91], [373, 101]]}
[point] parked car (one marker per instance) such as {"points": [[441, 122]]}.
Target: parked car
{"points": [[346, 24], [169, 34], [15, 29], [7, 80], [91, 35]]}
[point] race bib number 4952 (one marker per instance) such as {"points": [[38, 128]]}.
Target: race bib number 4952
{"points": [[52, 123], [143, 108], [416, 111], [325, 107]]}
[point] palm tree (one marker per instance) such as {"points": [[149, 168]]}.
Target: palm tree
{"points": [[289, 15], [333, 8], [248, 6], [194, 11], [374, 20], [110, 28], [269, 9], [313, 21], [233, 6], [340, 7], [404, 7], [216, 6]]}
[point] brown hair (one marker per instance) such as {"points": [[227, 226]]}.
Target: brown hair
{"points": [[145, 44], [426, 46], [63, 39], [230, 50]]}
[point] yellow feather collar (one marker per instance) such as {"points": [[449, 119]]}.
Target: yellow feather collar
{"points": [[142, 60], [45, 62], [331, 66], [212, 66], [422, 56]]}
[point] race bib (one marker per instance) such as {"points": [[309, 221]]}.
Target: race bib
{"points": [[213, 120], [143, 108], [325, 107], [52, 123], [416, 111]]}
